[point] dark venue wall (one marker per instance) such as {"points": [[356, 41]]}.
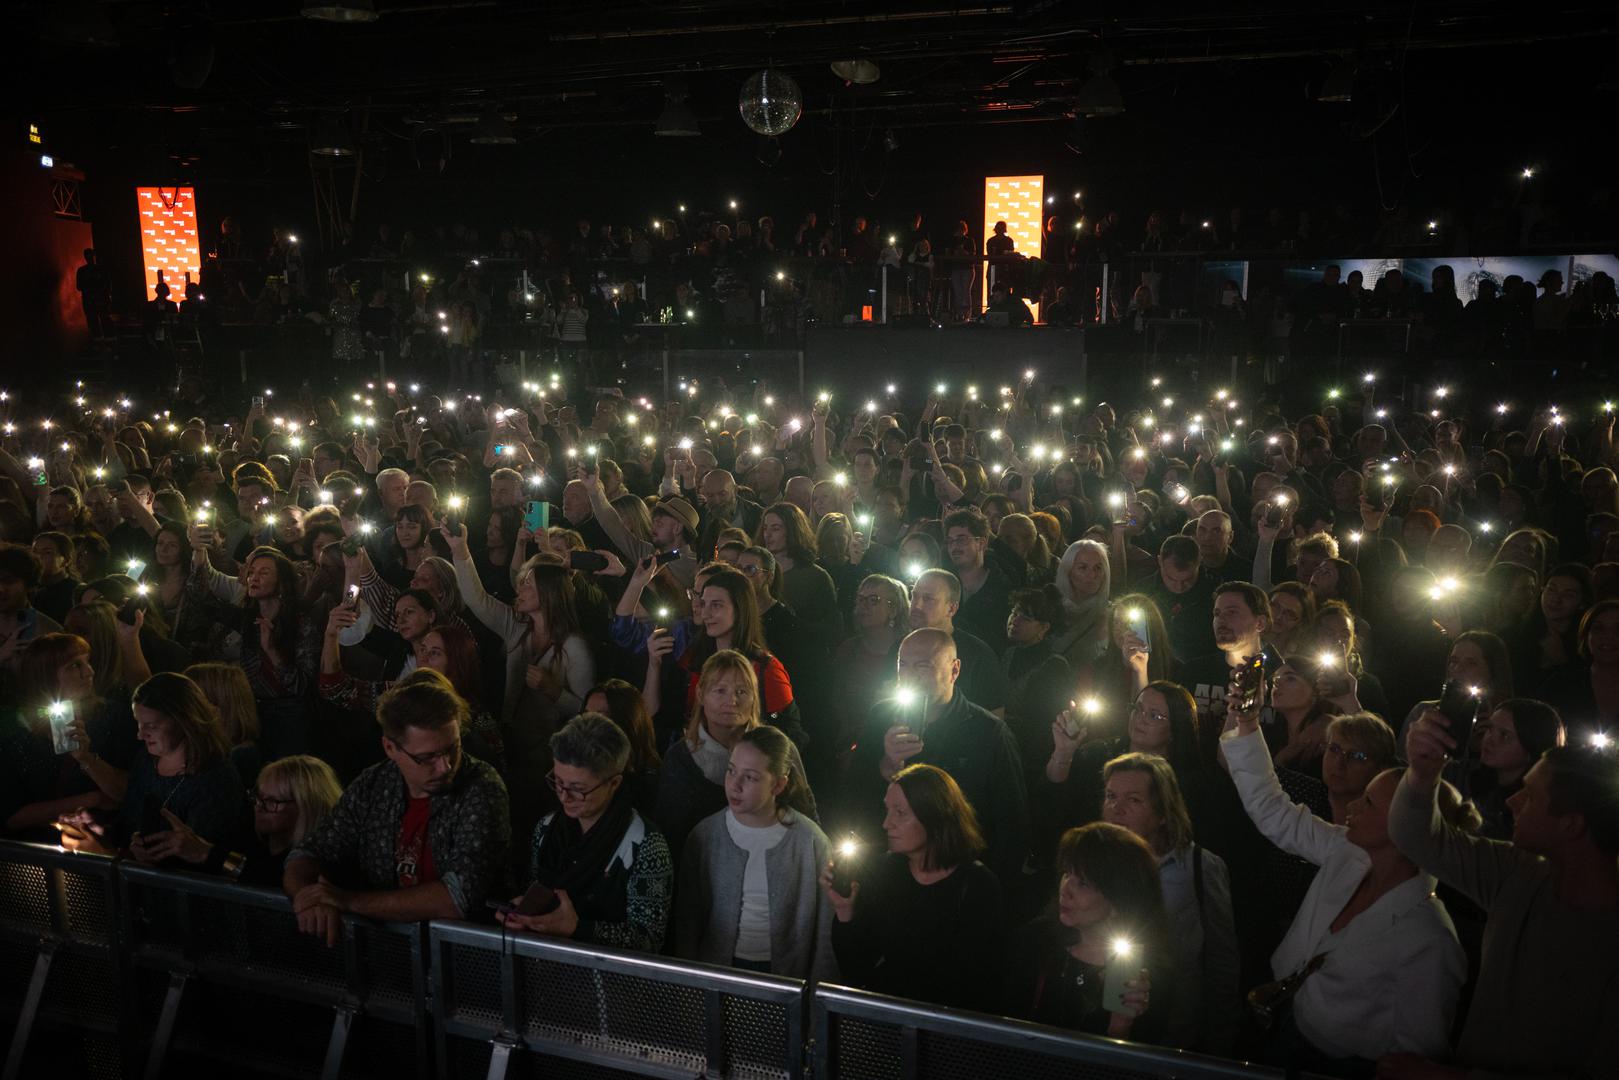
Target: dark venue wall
{"points": [[40, 318]]}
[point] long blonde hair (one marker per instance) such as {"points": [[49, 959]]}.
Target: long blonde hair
{"points": [[725, 662], [311, 784], [226, 686]]}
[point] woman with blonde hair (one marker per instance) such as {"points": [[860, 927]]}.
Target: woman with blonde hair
{"points": [[292, 796], [691, 784], [226, 687]]}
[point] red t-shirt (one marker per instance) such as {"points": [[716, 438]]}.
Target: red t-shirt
{"points": [[413, 851]]}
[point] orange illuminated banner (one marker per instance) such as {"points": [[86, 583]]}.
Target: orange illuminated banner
{"points": [[168, 217], [1019, 201]]}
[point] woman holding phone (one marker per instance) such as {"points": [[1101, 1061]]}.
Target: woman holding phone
{"points": [[1095, 960], [600, 873], [1380, 967], [922, 920]]}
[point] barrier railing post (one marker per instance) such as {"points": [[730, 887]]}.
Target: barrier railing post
{"points": [[30, 1008], [165, 1025]]}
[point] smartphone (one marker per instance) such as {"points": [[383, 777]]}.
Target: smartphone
{"points": [[500, 448], [353, 542], [588, 561], [1123, 965], [1250, 682], [1135, 621], [664, 558], [1382, 493], [1459, 703], [60, 716], [152, 821], [537, 515], [1275, 514], [540, 899], [1073, 724], [352, 599], [452, 521], [258, 401], [843, 860]]}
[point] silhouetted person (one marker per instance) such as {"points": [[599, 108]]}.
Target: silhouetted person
{"points": [[95, 294]]}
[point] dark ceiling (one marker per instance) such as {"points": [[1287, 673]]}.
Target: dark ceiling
{"points": [[602, 65]]}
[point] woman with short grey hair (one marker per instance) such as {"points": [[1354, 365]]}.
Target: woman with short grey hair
{"points": [[601, 873]]}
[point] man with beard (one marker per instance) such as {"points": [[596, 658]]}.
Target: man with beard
{"points": [[1241, 617]]}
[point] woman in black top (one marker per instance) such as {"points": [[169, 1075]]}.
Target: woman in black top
{"points": [[38, 785], [924, 920], [1108, 896], [624, 705]]}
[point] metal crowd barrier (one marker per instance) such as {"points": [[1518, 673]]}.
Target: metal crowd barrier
{"points": [[60, 965], [119, 970], [860, 1035]]}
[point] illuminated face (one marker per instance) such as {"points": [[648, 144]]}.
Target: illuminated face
{"points": [[1345, 776], [1081, 904], [410, 620], [1562, 599], [1603, 639], [408, 533], [1286, 613], [728, 706], [773, 534], [504, 491], [1150, 727], [719, 613], [76, 679], [750, 787], [931, 672], [262, 578], [906, 835], [931, 604], [59, 511], [966, 551], [391, 490], [1467, 664], [1127, 802], [1500, 748], [1324, 581], [431, 651], [1087, 572], [1021, 629], [1290, 689], [156, 731]]}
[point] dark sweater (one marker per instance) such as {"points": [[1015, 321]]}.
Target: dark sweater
{"points": [[939, 943]]}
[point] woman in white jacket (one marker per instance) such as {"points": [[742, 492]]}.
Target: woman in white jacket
{"points": [[1385, 968]]}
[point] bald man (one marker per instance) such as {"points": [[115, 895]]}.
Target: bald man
{"points": [[721, 509], [941, 727]]}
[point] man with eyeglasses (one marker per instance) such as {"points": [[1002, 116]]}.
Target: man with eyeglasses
{"points": [[422, 835], [935, 602]]}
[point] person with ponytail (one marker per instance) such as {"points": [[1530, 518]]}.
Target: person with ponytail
{"points": [[748, 892]]}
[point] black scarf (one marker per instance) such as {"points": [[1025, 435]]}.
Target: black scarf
{"points": [[577, 861]]}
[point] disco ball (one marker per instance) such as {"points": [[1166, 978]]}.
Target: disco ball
{"points": [[771, 102]]}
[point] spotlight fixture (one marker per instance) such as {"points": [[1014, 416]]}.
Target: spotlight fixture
{"points": [[677, 119], [333, 138], [1340, 82], [1100, 96], [859, 72], [341, 11], [493, 130]]}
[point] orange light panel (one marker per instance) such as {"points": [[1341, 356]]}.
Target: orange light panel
{"points": [[169, 238], [1020, 201]]}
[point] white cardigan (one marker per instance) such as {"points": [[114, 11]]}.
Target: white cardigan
{"points": [[1392, 977]]}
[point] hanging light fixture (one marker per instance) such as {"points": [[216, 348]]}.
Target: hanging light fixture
{"points": [[858, 71], [1100, 96], [1340, 83], [677, 119], [770, 102], [341, 11], [332, 138], [493, 130]]}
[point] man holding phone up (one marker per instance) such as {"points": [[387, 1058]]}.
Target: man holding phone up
{"points": [[1547, 999], [674, 530]]}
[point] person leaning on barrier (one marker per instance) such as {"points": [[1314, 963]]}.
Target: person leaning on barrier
{"points": [[1547, 998], [605, 872], [423, 835], [291, 796], [923, 920]]}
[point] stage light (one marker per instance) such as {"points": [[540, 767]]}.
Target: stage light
{"points": [[168, 222]]}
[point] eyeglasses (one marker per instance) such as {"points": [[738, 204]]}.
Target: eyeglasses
{"points": [[1138, 709], [868, 599], [572, 793], [267, 803], [1359, 757], [449, 754]]}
